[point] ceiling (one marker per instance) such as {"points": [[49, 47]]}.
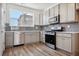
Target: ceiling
{"points": [[40, 6]]}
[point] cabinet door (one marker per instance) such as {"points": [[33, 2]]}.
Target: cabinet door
{"points": [[59, 42], [45, 17], [64, 43], [56, 10], [35, 36], [67, 44], [71, 12], [9, 39], [27, 38], [52, 12], [22, 37], [41, 18], [63, 12], [36, 19], [31, 37]]}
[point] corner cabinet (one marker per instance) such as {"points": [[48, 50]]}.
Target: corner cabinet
{"points": [[68, 42]]}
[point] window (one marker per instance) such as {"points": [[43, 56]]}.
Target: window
{"points": [[26, 20], [14, 15]]}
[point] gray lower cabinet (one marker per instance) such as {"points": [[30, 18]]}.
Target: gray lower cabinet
{"points": [[22, 37], [9, 36], [68, 42], [31, 37], [64, 43], [17, 38]]}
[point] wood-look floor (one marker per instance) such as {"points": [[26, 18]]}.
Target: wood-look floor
{"points": [[36, 49]]}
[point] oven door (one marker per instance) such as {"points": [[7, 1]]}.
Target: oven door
{"points": [[50, 39]]}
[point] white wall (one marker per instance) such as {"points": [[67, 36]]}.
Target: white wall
{"points": [[2, 40]]}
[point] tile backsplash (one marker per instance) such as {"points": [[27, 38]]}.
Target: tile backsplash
{"points": [[71, 27]]}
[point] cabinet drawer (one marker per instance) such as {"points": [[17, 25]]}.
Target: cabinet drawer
{"points": [[64, 34], [67, 35], [67, 44]]}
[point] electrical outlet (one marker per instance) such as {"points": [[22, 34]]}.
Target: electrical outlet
{"points": [[68, 26]]}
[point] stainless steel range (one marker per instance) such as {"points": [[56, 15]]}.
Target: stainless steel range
{"points": [[50, 37]]}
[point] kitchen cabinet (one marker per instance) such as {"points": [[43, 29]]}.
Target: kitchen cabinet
{"points": [[71, 12], [31, 37], [27, 37], [68, 42], [59, 42], [54, 11], [64, 42], [63, 12], [9, 39], [36, 18], [45, 17], [21, 38], [77, 11], [14, 38], [41, 18]]}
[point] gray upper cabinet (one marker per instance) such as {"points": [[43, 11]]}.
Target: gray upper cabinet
{"points": [[71, 12], [36, 18], [56, 10], [41, 18], [63, 12], [45, 17], [53, 11], [68, 13]]}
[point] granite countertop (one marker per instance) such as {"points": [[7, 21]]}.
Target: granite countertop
{"points": [[24, 31], [67, 32]]}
